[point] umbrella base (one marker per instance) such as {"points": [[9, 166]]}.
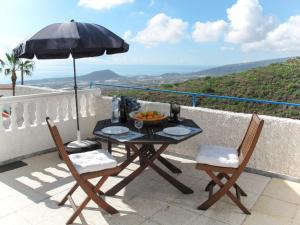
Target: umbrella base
{"points": [[82, 146]]}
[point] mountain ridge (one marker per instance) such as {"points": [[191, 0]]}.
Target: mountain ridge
{"points": [[277, 82], [111, 77]]}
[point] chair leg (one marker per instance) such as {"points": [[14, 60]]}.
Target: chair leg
{"points": [[92, 191], [220, 176], [127, 148], [237, 187], [78, 210], [63, 201], [99, 201], [224, 189], [212, 183]]}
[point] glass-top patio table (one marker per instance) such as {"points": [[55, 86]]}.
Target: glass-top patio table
{"points": [[145, 148]]}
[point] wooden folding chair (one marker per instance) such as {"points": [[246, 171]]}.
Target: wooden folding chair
{"points": [[85, 166], [229, 163]]}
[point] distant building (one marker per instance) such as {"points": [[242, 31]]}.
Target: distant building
{"points": [[5, 87]]}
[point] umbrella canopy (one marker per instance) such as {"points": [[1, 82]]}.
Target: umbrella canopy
{"points": [[80, 40], [59, 40]]}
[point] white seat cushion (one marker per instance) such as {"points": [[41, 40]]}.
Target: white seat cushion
{"points": [[92, 161], [218, 156]]}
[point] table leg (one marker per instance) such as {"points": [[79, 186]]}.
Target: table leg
{"points": [[165, 162], [129, 160], [180, 186], [169, 165], [109, 147], [115, 189], [127, 151]]}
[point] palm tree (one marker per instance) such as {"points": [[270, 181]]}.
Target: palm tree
{"points": [[1, 65], [26, 68], [12, 65]]}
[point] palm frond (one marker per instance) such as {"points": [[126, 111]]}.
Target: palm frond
{"points": [[26, 67], [2, 64], [28, 62], [7, 71], [27, 72], [12, 60]]}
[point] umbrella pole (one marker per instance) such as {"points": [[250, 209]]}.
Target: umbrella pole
{"points": [[79, 145], [76, 101]]}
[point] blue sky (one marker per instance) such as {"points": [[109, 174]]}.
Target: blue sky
{"points": [[165, 32]]}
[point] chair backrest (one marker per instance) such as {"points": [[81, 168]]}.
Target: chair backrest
{"points": [[60, 147], [250, 139]]}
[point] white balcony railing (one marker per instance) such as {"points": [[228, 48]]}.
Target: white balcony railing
{"points": [[31, 110], [24, 131]]}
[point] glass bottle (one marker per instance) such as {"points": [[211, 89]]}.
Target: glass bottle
{"points": [[115, 117]]}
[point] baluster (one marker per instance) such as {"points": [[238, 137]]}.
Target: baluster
{"points": [[47, 112], [38, 113], [26, 122], [13, 117], [79, 105], [61, 109], [1, 119], [56, 109], [92, 105], [69, 103], [87, 105]]}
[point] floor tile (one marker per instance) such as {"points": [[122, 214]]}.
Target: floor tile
{"points": [[13, 220], [149, 222], [253, 183], [225, 212], [37, 213], [146, 207], [174, 215], [121, 219], [203, 220], [259, 218], [283, 190], [276, 208]]}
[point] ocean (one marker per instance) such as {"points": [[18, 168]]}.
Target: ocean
{"points": [[43, 70]]}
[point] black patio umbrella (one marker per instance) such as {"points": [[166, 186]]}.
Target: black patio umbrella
{"points": [[80, 40]]}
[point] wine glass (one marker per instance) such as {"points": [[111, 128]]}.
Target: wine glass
{"points": [[180, 118], [138, 124]]}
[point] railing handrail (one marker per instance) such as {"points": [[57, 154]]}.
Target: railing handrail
{"points": [[195, 95], [31, 97]]}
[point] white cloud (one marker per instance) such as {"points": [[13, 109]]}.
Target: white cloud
{"points": [[162, 28], [247, 22], [103, 4], [209, 31], [285, 38], [127, 35], [226, 48]]}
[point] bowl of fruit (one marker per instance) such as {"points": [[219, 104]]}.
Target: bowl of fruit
{"points": [[148, 117]]}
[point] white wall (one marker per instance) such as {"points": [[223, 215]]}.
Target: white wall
{"points": [[27, 90], [278, 149]]}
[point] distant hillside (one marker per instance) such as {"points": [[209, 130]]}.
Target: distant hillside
{"points": [[278, 82], [101, 75], [108, 76], [236, 68]]}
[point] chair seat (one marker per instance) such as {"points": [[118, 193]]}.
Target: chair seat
{"points": [[218, 156], [92, 161]]}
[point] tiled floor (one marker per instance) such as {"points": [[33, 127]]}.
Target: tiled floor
{"points": [[29, 196]]}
